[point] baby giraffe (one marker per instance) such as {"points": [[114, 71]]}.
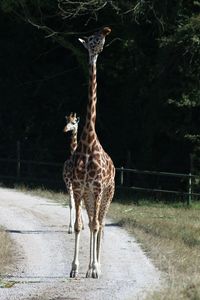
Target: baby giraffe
{"points": [[72, 125]]}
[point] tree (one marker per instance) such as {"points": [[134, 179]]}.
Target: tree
{"points": [[148, 76]]}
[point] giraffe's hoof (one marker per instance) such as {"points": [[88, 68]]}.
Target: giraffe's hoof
{"points": [[70, 230], [93, 273], [89, 273], [73, 273], [74, 270]]}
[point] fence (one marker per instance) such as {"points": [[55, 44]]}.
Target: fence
{"points": [[51, 173], [188, 177], [15, 167]]}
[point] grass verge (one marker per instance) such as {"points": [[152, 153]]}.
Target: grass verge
{"points": [[6, 247], [59, 197], [171, 237]]}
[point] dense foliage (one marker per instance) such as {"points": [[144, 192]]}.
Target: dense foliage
{"points": [[148, 78]]}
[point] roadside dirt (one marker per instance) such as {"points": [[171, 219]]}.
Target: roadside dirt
{"points": [[44, 252]]}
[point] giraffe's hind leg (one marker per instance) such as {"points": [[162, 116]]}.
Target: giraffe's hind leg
{"points": [[71, 209], [93, 213], [77, 228], [93, 270], [105, 203], [82, 218]]}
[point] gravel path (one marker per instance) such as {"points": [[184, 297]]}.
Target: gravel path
{"points": [[44, 251]]}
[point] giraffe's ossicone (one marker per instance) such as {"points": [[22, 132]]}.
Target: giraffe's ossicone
{"points": [[94, 43]]}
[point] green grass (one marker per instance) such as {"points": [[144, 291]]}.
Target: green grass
{"points": [[170, 234]]}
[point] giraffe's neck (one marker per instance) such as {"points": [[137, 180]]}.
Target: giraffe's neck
{"points": [[73, 144], [89, 127]]}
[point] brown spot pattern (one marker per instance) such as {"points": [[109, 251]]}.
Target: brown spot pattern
{"points": [[92, 175]]}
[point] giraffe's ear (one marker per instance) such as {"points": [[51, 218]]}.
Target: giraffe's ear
{"points": [[83, 42]]}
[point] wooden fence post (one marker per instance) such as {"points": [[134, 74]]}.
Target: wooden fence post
{"points": [[128, 166], [189, 189], [190, 181], [122, 176], [18, 160]]}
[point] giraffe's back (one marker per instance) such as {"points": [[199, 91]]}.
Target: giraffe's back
{"points": [[93, 167], [93, 179]]}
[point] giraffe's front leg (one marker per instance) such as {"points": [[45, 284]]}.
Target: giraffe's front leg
{"points": [[93, 270]]}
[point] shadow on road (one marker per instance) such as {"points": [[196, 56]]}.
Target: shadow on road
{"points": [[113, 225], [34, 231]]}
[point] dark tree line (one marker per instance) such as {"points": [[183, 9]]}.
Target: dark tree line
{"points": [[148, 78]]}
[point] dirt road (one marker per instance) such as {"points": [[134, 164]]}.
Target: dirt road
{"points": [[44, 251]]}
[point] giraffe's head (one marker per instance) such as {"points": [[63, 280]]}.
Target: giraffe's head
{"points": [[94, 43], [72, 123]]}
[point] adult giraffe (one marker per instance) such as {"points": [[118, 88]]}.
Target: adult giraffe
{"points": [[93, 170]]}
